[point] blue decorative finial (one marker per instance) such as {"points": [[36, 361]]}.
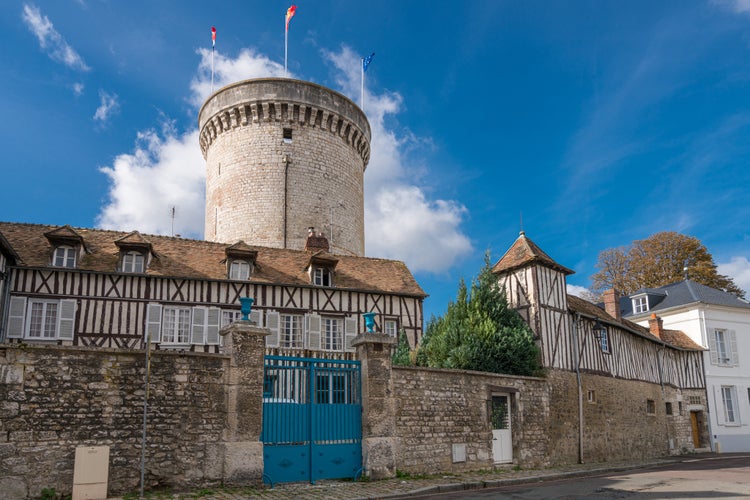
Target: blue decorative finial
{"points": [[246, 305], [369, 321]]}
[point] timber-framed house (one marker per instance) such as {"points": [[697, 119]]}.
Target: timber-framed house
{"points": [[90, 287]]}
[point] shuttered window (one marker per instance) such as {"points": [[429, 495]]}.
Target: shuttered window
{"points": [[41, 319]]}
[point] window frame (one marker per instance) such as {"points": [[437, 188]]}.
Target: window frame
{"points": [[44, 321], [172, 333], [332, 339], [650, 407], [390, 324], [730, 405], [135, 266], [69, 257], [236, 268], [640, 304], [322, 276], [290, 331], [604, 343]]}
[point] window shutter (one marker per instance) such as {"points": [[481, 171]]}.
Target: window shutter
{"points": [[198, 330], [153, 322], [272, 323], [313, 331], [721, 410], [213, 318], [66, 319], [256, 317], [733, 354], [350, 331], [16, 317], [713, 352]]}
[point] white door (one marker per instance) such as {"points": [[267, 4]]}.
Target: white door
{"points": [[502, 443]]}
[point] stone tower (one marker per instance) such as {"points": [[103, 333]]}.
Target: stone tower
{"points": [[282, 156]]}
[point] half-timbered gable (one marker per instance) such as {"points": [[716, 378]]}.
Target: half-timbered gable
{"points": [[184, 293]]}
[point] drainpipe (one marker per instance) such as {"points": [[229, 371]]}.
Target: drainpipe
{"points": [[286, 193], [576, 349]]}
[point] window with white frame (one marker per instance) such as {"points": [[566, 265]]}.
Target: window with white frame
{"points": [[729, 403], [722, 346], [321, 276], [239, 270], [291, 331], [41, 319], [604, 340], [390, 327], [640, 304], [133, 262], [228, 317], [175, 325], [65, 256], [332, 334]]}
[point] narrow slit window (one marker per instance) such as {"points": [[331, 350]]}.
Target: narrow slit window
{"points": [[287, 136]]}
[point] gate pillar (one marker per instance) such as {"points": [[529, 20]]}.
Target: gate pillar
{"points": [[245, 343], [379, 441]]}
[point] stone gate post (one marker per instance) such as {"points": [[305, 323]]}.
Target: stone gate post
{"points": [[379, 441], [245, 343]]}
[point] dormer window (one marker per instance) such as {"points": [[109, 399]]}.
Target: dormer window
{"points": [[239, 270], [321, 276], [640, 304], [133, 262], [65, 256]]}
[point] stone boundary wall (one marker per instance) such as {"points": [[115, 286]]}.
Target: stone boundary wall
{"points": [[437, 408], [54, 398]]}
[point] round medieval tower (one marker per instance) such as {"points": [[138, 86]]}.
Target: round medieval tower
{"points": [[282, 156]]}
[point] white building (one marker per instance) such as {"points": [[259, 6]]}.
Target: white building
{"points": [[720, 322]]}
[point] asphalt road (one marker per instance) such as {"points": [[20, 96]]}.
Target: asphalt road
{"points": [[719, 477]]}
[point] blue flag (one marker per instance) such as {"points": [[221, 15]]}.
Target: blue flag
{"points": [[366, 61]]}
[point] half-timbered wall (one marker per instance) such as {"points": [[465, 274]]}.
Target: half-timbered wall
{"points": [[112, 308], [539, 295]]}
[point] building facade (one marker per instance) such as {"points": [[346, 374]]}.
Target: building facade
{"points": [[720, 322]]}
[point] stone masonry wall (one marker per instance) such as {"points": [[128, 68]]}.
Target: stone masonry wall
{"points": [[54, 399], [438, 408]]}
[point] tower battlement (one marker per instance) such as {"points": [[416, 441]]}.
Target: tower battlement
{"points": [[283, 155]]}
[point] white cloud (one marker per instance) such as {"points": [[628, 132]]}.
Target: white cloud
{"points": [[77, 88], [740, 6], [401, 221], [51, 40], [108, 104], [737, 268], [165, 170], [578, 291]]}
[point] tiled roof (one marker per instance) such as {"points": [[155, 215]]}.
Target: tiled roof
{"points": [[179, 257], [680, 294], [674, 338], [523, 252]]}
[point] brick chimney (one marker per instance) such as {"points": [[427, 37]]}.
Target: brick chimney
{"points": [[315, 242], [655, 325], [612, 304]]}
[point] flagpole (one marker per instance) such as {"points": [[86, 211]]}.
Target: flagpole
{"points": [[362, 69], [286, 39], [212, 70]]}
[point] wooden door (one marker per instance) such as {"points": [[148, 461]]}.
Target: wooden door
{"points": [[694, 423], [502, 442]]}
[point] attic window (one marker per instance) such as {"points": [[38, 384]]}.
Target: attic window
{"points": [[239, 270], [65, 256], [640, 304], [321, 276], [287, 136], [133, 262]]}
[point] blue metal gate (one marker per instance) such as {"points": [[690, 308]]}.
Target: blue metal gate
{"points": [[312, 419]]}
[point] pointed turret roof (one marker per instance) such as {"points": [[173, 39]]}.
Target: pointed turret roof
{"points": [[524, 252]]}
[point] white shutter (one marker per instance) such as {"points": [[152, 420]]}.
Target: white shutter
{"points": [[731, 339], [153, 323], [213, 318], [719, 405], [713, 352], [198, 329], [272, 323], [66, 319], [16, 317], [256, 317], [350, 331], [312, 322]]}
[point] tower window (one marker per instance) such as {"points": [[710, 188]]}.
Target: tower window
{"points": [[287, 136]]}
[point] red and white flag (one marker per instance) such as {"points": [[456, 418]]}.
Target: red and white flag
{"points": [[290, 14], [213, 37]]}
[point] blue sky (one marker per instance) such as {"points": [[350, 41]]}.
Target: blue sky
{"points": [[597, 122]]}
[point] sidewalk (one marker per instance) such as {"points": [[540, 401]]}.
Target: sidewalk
{"points": [[411, 486]]}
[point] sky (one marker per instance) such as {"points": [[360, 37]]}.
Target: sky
{"points": [[587, 124]]}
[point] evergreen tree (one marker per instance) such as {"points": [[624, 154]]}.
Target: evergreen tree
{"points": [[402, 354], [480, 332]]}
